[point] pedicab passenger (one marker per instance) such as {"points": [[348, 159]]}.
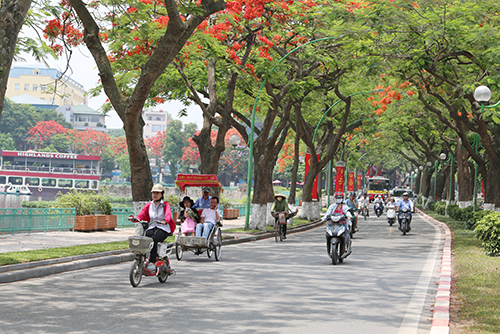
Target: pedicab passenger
{"points": [[159, 215], [188, 217], [208, 218]]}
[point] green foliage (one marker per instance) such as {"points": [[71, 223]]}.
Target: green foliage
{"points": [[440, 208], [468, 213], [226, 203], [173, 200], [85, 202], [37, 204], [451, 211], [120, 199], [472, 221], [6, 142], [124, 164], [431, 206], [488, 231]]}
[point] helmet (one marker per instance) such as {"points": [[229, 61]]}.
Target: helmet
{"points": [[405, 194], [352, 194], [158, 187], [339, 197]]}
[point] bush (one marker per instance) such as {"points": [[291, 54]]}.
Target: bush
{"points": [[120, 199], [467, 213], [488, 231], [440, 208], [431, 205], [37, 205], [226, 204], [173, 200], [451, 210], [84, 202], [472, 221]]}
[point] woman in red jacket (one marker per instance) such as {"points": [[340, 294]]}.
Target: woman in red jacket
{"points": [[159, 215]]}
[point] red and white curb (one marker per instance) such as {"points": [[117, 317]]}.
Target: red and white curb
{"points": [[441, 312]]}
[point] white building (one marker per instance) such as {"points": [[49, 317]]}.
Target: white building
{"points": [[156, 121]]}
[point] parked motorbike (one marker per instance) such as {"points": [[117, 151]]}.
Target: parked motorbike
{"points": [[391, 214], [141, 245], [404, 221], [378, 208], [337, 235]]}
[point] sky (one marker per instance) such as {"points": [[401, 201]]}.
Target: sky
{"points": [[84, 71]]}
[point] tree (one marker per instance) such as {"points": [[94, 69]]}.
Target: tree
{"points": [[16, 121], [41, 134], [144, 38], [6, 142], [174, 144]]}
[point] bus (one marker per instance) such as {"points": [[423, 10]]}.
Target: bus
{"points": [[46, 173], [377, 185]]}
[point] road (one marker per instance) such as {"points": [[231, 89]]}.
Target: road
{"points": [[385, 286]]}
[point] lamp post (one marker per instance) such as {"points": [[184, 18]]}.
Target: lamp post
{"points": [[450, 160], [421, 169], [482, 95]]}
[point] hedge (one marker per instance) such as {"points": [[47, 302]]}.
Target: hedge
{"points": [[488, 231]]}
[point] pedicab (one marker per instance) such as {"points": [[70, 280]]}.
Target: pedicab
{"points": [[198, 245]]}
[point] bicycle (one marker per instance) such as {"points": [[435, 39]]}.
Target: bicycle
{"points": [[279, 224]]}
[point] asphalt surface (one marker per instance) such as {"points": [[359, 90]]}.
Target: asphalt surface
{"points": [[385, 286]]}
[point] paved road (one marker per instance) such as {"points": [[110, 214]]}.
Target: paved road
{"points": [[264, 287]]}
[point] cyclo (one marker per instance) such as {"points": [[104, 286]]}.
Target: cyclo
{"points": [[198, 245]]}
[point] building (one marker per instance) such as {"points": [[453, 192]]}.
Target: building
{"points": [[35, 102], [46, 84], [156, 121], [83, 117]]}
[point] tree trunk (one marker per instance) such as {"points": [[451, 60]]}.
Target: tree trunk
{"points": [[295, 168], [12, 15], [465, 178]]}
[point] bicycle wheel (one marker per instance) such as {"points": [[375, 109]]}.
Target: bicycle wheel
{"points": [[135, 273], [218, 245], [281, 232], [178, 252], [276, 231], [162, 277]]}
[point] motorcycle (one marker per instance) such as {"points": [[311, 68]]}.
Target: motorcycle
{"points": [[378, 208], [141, 245], [337, 234], [404, 221], [391, 214]]}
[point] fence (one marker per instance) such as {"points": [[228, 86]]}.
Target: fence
{"points": [[27, 220], [121, 216]]}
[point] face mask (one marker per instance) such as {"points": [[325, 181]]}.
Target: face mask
{"points": [[338, 200]]}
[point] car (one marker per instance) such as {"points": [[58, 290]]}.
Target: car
{"points": [[397, 193]]}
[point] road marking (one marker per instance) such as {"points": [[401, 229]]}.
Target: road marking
{"points": [[411, 318]]}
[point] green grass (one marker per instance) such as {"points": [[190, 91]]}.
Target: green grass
{"points": [[54, 253], [478, 284]]}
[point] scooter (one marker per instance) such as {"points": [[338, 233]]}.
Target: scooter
{"points": [[141, 245], [391, 214], [404, 221], [378, 208], [337, 235]]}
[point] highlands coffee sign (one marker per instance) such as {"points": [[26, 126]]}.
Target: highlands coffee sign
{"points": [[48, 155]]}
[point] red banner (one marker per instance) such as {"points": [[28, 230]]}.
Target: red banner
{"points": [[197, 180], [358, 179], [350, 181], [315, 184], [339, 179]]}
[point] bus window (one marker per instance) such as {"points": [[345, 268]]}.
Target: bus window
{"points": [[3, 180], [64, 183], [15, 180], [81, 184], [48, 182], [32, 181]]}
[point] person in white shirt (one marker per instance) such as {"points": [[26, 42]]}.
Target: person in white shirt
{"points": [[208, 218]]}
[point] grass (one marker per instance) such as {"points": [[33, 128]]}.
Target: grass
{"points": [[478, 283], [55, 253]]}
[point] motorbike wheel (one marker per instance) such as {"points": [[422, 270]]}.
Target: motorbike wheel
{"points": [[178, 252], [135, 273], [403, 227], [335, 252], [163, 276], [218, 246]]}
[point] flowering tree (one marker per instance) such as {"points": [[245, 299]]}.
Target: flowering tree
{"points": [[142, 37], [41, 134]]}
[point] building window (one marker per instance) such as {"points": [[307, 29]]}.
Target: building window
{"points": [[42, 88], [17, 87], [156, 128], [35, 87], [94, 119], [26, 86]]}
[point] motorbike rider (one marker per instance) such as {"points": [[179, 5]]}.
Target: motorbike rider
{"points": [[365, 202], [352, 203], [378, 200], [159, 215], [402, 204], [339, 207]]}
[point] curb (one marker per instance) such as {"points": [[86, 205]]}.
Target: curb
{"points": [[441, 312], [21, 271]]}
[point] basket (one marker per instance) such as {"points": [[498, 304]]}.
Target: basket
{"points": [[140, 244]]}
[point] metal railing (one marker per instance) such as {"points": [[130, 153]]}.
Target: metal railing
{"points": [[121, 216], [27, 220]]}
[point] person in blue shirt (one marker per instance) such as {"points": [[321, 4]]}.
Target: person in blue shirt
{"points": [[352, 203], [405, 203], [203, 202]]}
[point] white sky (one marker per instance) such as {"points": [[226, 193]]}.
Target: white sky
{"points": [[84, 71]]}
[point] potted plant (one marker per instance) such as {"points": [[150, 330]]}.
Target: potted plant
{"points": [[173, 200], [228, 213]]}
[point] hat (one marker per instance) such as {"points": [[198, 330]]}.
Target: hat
{"points": [[158, 187], [205, 189], [405, 194], [279, 195], [186, 198], [339, 194]]}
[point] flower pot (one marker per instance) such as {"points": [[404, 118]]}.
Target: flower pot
{"points": [[175, 216], [100, 222], [111, 222], [85, 223], [231, 213]]}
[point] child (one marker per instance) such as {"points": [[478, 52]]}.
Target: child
{"points": [[188, 217]]}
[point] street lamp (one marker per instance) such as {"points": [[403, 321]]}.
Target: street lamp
{"points": [[442, 156], [421, 168]]}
